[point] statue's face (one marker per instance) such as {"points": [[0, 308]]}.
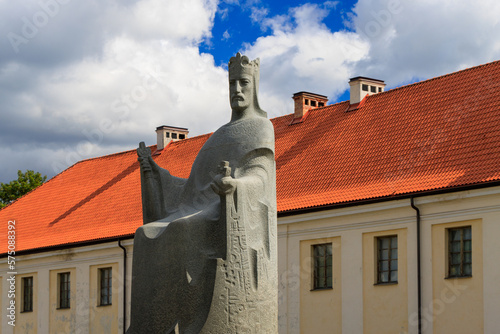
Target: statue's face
{"points": [[241, 91]]}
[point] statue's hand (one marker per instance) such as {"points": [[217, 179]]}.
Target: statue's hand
{"points": [[223, 183], [144, 157]]}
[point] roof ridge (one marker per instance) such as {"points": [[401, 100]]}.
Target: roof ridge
{"points": [[132, 150], [437, 77]]}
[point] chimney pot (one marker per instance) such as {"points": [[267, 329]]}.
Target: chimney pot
{"points": [[362, 86], [305, 101], [165, 134]]}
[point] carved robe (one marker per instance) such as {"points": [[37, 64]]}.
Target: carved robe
{"points": [[207, 264]]}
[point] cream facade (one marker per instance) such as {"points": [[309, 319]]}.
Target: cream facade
{"points": [[355, 303], [84, 315], [449, 305]]}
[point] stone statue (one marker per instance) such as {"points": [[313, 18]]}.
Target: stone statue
{"points": [[205, 260]]}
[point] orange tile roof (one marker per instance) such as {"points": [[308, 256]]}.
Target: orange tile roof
{"points": [[436, 134]]}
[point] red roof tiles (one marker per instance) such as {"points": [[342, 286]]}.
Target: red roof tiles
{"points": [[439, 133]]}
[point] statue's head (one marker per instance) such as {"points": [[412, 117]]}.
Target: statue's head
{"points": [[244, 84]]}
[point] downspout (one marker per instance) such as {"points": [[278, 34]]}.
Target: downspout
{"points": [[124, 286], [419, 280]]}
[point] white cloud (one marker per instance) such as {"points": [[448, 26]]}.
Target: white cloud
{"points": [[303, 54], [189, 20], [420, 39], [144, 70]]}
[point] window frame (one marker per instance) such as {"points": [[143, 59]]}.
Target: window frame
{"points": [[27, 293], [324, 281], [64, 290], [462, 252], [390, 266], [105, 286]]}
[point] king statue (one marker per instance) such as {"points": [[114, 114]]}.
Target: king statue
{"points": [[205, 260]]}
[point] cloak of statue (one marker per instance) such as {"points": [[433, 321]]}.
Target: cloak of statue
{"points": [[205, 260]]}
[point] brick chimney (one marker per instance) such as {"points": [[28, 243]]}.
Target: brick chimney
{"points": [[362, 86], [305, 101], [165, 134]]}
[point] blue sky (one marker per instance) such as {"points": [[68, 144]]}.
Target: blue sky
{"points": [[80, 79]]}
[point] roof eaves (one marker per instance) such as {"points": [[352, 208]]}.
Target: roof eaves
{"points": [[437, 191], [70, 245]]}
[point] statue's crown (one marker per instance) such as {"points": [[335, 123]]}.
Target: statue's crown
{"points": [[242, 65]]}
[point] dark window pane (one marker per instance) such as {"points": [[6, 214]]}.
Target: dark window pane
{"points": [[455, 258], [467, 233], [387, 253], [467, 257], [384, 254], [384, 265], [467, 269], [455, 235], [459, 252], [455, 247], [394, 254], [319, 251], [322, 266], [64, 290], [27, 292], [106, 286]]}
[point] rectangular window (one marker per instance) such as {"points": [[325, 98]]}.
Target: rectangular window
{"points": [[64, 290], [373, 89], [364, 87], [322, 260], [105, 286], [27, 293], [460, 252], [387, 259]]}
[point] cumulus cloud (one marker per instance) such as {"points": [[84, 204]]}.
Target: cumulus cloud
{"points": [[303, 54], [398, 41], [412, 40], [136, 66]]}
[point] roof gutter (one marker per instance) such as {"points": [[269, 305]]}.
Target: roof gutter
{"points": [[70, 245]]}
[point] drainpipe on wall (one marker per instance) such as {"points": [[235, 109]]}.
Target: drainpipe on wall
{"points": [[419, 280], [124, 286]]}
